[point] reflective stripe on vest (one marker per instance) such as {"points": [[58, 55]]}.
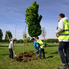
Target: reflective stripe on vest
{"points": [[65, 33]]}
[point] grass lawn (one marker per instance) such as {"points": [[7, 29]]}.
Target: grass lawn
{"points": [[49, 63]]}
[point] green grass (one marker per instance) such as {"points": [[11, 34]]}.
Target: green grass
{"points": [[48, 63]]}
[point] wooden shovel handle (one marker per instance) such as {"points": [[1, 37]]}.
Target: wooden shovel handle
{"points": [[8, 37]]}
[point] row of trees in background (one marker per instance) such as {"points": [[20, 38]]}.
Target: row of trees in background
{"points": [[6, 38], [1, 35], [27, 39], [47, 41], [51, 41], [9, 34]]}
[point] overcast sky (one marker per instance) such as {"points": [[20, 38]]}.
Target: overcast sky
{"points": [[12, 13]]}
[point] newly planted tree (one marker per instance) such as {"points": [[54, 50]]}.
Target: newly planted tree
{"points": [[33, 20]]}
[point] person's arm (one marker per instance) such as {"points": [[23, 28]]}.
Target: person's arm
{"points": [[60, 27], [38, 45], [59, 30], [34, 45]]}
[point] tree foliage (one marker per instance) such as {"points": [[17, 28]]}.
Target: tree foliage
{"points": [[24, 36], [9, 34], [33, 20], [1, 35], [27, 39]]}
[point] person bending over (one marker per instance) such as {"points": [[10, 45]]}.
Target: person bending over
{"points": [[36, 46], [11, 48]]}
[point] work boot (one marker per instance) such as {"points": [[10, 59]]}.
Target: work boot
{"points": [[64, 66]]}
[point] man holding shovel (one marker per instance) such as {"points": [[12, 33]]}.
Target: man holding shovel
{"points": [[11, 48]]}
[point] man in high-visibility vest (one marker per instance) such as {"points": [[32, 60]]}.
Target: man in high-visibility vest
{"points": [[41, 47], [62, 33]]}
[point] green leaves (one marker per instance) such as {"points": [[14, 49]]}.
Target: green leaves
{"points": [[24, 36], [33, 20]]}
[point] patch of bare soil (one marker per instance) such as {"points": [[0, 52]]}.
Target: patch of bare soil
{"points": [[28, 56]]}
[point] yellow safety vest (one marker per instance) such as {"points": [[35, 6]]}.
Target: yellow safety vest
{"points": [[65, 33], [41, 44]]}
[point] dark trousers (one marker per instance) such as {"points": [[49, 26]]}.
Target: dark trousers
{"points": [[11, 53], [64, 48], [41, 50]]}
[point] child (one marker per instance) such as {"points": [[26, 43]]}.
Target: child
{"points": [[36, 46], [41, 47], [11, 48]]}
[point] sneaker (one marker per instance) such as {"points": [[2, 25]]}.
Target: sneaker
{"points": [[63, 67]]}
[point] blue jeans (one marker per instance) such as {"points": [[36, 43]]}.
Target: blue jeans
{"points": [[37, 49], [64, 46], [41, 50]]}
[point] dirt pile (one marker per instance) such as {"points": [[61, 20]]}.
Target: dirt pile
{"points": [[28, 56]]}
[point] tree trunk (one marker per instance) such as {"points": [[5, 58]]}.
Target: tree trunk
{"points": [[24, 40]]}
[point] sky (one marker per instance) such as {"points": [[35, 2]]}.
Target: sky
{"points": [[12, 14]]}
